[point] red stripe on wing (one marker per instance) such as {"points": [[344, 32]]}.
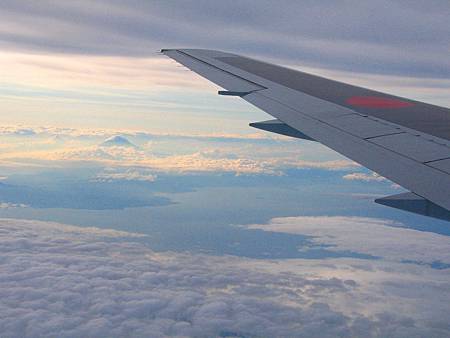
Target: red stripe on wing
{"points": [[377, 102]]}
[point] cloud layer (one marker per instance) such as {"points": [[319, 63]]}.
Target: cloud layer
{"points": [[387, 36], [137, 152], [73, 282], [381, 238]]}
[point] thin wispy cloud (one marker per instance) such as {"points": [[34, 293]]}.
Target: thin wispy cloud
{"points": [[94, 74], [322, 33]]}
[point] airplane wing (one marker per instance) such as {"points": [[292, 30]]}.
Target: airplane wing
{"points": [[403, 140]]}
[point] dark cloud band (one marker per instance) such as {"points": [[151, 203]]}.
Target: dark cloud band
{"points": [[399, 37]]}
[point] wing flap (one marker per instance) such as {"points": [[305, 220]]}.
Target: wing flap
{"points": [[413, 146], [278, 127], [362, 126], [411, 202], [443, 165]]}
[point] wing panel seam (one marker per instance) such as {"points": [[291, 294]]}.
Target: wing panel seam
{"points": [[343, 130], [222, 70]]}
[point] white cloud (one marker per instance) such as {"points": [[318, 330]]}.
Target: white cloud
{"points": [[9, 205], [373, 177], [65, 281], [373, 236]]}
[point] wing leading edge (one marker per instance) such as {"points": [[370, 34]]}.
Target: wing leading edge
{"points": [[403, 140]]}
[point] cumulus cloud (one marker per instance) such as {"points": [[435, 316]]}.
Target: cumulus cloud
{"points": [[71, 282]]}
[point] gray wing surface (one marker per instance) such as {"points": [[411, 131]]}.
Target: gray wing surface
{"points": [[403, 140]]}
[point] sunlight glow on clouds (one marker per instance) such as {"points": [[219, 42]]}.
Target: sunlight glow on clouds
{"points": [[240, 154], [94, 73], [194, 162]]}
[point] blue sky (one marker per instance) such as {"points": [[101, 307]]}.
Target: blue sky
{"points": [[136, 201]]}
